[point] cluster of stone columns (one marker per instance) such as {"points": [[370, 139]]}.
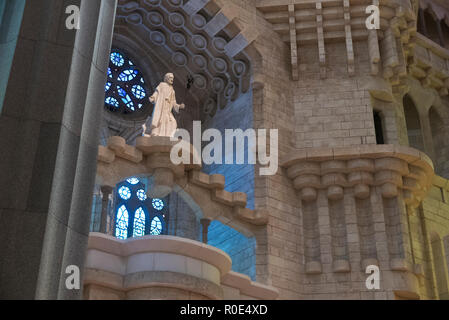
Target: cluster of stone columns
{"points": [[53, 103], [367, 185]]}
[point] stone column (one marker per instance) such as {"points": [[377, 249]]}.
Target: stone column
{"points": [[67, 229], [205, 227], [105, 191], [78, 231], [30, 129], [11, 12]]}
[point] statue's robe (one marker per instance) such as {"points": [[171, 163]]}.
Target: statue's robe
{"points": [[163, 123]]}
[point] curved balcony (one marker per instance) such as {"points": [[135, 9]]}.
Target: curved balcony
{"points": [[164, 267]]}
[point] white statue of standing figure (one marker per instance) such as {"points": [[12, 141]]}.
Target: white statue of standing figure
{"points": [[163, 123]]}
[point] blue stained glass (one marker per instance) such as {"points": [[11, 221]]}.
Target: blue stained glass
{"points": [[125, 83], [158, 204], [156, 226], [117, 59], [127, 75], [125, 98], [133, 181], [125, 193], [138, 91], [141, 195], [121, 226], [139, 223], [112, 101]]}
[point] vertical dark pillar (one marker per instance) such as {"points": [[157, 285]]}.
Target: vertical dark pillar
{"points": [[31, 124], [422, 20], [105, 191], [205, 227], [440, 33]]}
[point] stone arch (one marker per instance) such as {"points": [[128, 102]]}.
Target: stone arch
{"points": [[203, 194], [201, 39], [153, 69]]}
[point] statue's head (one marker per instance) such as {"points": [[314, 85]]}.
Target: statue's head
{"points": [[169, 78]]}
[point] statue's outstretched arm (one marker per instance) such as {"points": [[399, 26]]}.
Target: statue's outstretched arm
{"points": [[178, 106]]}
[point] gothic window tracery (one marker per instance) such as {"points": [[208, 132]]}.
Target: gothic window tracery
{"points": [[136, 214], [125, 87]]}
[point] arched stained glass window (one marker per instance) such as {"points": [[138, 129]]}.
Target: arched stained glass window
{"points": [[136, 213], [139, 223], [121, 229], [125, 89], [156, 226]]}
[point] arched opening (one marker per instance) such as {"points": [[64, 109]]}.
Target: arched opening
{"points": [[134, 214], [440, 137], [431, 26], [133, 76], [439, 267], [445, 31], [414, 133], [213, 83], [421, 22], [131, 214], [379, 127]]}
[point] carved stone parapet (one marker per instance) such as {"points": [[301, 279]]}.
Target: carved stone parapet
{"points": [[392, 168]]}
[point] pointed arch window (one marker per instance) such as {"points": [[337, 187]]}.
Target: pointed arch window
{"points": [[139, 223], [156, 226], [121, 229], [137, 214]]}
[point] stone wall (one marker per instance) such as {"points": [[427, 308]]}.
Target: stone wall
{"points": [[335, 111]]}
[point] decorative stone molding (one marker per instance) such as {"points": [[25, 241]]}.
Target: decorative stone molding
{"points": [[301, 22], [395, 50], [151, 156], [131, 266], [392, 168], [430, 65]]}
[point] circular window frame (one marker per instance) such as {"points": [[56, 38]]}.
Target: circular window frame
{"points": [[123, 111]]}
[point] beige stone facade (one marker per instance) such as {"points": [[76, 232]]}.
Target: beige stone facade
{"points": [[363, 120]]}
